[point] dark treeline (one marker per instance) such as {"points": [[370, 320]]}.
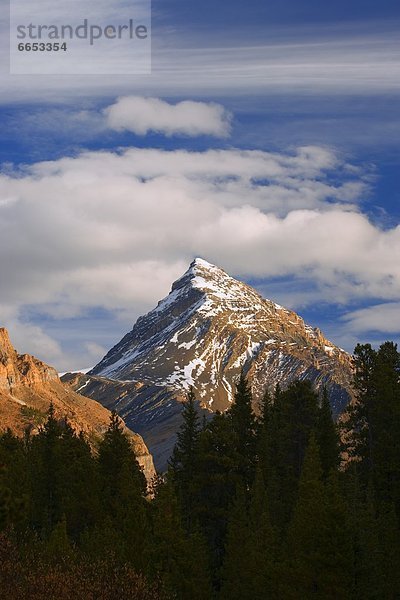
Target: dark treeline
{"points": [[282, 505]]}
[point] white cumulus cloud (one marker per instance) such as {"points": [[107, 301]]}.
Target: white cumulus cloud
{"points": [[189, 118]]}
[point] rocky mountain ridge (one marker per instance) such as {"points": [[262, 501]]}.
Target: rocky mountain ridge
{"points": [[28, 386]]}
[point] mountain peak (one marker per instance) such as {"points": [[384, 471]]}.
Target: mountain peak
{"points": [[208, 284], [199, 272], [209, 328], [203, 268], [200, 263]]}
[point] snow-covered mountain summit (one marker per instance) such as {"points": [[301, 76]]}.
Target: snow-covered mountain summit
{"points": [[211, 326]]}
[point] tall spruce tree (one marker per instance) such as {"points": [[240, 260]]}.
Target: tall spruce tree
{"points": [[388, 554], [123, 489], [294, 416], [236, 571], [80, 503], [118, 465], [327, 436], [376, 549], [178, 558], [264, 551], [264, 432], [45, 470], [14, 483], [304, 534], [319, 539], [373, 422], [338, 552], [215, 481], [385, 426], [243, 422], [184, 461]]}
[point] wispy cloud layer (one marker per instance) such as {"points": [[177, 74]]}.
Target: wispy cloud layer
{"points": [[345, 63], [384, 318]]}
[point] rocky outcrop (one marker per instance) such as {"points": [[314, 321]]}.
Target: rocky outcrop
{"points": [[18, 370], [203, 333], [28, 386]]}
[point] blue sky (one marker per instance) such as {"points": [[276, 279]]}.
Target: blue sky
{"points": [[271, 148]]}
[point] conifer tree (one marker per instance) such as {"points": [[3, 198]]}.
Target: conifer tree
{"points": [[272, 452], [45, 466], [79, 483], [180, 559], [63, 479], [243, 424], [338, 553], [264, 432], [123, 488], [365, 546], [304, 540], [327, 436], [373, 423], [118, 465], [319, 540], [14, 484], [250, 568], [388, 555], [263, 544], [236, 570], [215, 481], [184, 459], [384, 426], [293, 418], [265, 408]]}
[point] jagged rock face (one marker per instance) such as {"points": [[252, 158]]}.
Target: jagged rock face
{"points": [[28, 386], [203, 333], [21, 369]]}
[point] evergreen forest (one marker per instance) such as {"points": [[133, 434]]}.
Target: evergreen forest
{"points": [[275, 501]]}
